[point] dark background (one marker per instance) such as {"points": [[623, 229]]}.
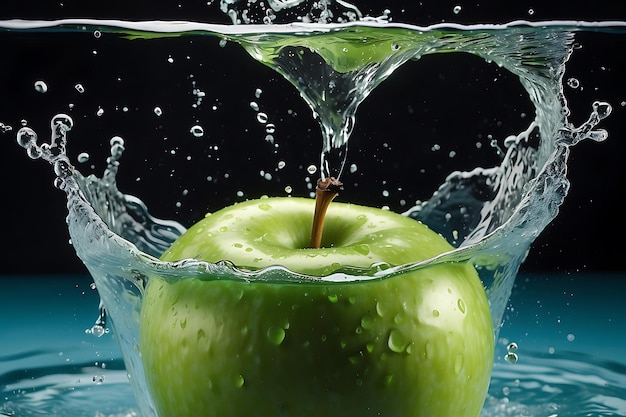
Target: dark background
{"points": [[429, 102]]}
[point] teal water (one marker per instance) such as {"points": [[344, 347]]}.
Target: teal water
{"points": [[569, 334]]}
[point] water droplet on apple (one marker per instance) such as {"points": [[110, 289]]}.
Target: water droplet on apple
{"points": [[362, 249], [428, 350], [201, 334], [461, 305], [367, 322], [458, 363], [380, 309], [396, 341], [276, 335]]}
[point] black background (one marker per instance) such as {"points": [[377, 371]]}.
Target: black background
{"points": [[431, 102]]}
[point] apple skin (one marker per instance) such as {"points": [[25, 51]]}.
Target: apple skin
{"points": [[414, 345]]}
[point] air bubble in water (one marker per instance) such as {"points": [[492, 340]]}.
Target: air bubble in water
{"points": [[353, 168], [312, 169], [158, 111], [288, 189], [512, 347], [41, 86], [281, 164], [270, 128], [100, 111], [257, 93], [197, 131], [457, 9], [79, 87], [254, 105]]}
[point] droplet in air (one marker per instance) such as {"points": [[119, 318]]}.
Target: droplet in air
{"points": [[261, 117], [197, 131], [82, 157], [41, 86], [97, 330], [511, 357], [573, 82]]}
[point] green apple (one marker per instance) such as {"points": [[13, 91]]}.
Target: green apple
{"points": [[419, 344]]}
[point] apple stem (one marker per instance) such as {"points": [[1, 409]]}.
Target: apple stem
{"points": [[326, 190]]}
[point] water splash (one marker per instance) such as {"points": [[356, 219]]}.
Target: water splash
{"points": [[493, 213]]}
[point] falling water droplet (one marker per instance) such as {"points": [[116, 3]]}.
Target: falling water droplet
{"points": [[573, 82], [511, 357], [41, 86], [82, 157], [261, 117], [197, 131]]}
